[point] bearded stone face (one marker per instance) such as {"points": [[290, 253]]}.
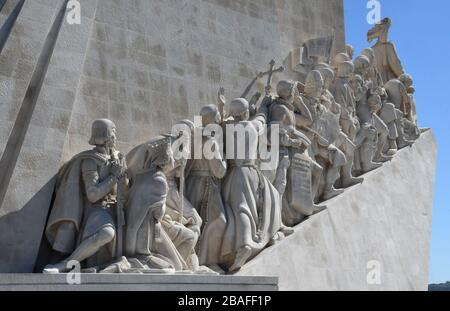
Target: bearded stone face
{"points": [[112, 138]]}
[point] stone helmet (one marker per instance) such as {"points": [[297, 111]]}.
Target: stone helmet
{"points": [[238, 107], [327, 73], [314, 79], [361, 63], [340, 58], [284, 88], [369, 53], [345, 69], [406, 79], [102, 132], [210, 113], [350, 50]]}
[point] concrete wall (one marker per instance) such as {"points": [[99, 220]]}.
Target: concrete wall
{"points": [[386, 219], [144, 64]]}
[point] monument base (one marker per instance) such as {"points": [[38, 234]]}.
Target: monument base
{"points": [[135, 282]]}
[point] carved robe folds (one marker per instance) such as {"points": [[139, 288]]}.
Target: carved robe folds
{"points": [[74, 218], [251, 201], [203, 190]]}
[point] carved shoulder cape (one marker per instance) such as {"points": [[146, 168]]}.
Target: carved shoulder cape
{"points": [[70, 198]]}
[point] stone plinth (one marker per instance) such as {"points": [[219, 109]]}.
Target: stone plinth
{"points": [[385, 221], [136, 282]]}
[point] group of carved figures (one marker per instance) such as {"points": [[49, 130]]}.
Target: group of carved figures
{"points": [[150, 213]]}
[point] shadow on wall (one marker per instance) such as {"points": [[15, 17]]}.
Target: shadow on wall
{"points": [[23, 231]]}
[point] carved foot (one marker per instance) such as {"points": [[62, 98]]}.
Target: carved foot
{"points": [[403, 143], [391, 152], [216, 268], [206, 270], [60, 267], [319, 208], [276, 238], [372, 166], [243, 254], [287, 231], [153, 262], [332, 193], [349, 182], [383, 158]]}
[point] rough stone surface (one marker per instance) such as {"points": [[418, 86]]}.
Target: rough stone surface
{"points": [[143, 64], [386, 219], [135, 282]]}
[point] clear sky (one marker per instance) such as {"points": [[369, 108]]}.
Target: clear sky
{"points": [[421, 31]]}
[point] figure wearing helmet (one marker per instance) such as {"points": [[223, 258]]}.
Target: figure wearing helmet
{"points": [[82, 224]]}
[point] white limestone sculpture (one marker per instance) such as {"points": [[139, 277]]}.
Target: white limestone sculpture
{"points": [[387, 60], [397, 92], [367, 136], [350, 50], [339, 59], [408, 82], [343, 142], [251, 201], [367, 108], [82, 225], [146, 238], [297, 174], [372, 74], [181, 221], [343, 95], [325, 132], [203, 190]]}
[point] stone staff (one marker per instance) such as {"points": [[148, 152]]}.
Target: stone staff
{"points": [[120, 201]]}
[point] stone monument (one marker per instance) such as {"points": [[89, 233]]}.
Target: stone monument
{"points": [[223, 194]]}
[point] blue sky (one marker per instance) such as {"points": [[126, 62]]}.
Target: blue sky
{"points": [[421, 32]]}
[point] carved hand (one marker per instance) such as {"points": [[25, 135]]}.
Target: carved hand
{"points": [[285, 162], [116, 169], [159, 212]]}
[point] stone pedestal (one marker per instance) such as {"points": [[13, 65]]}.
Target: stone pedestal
{"points": [[135, 282]]}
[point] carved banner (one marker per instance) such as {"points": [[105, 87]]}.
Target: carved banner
{"points": [[300, 177]]}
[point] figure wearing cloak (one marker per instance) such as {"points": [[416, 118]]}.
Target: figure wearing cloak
{"points": [[146, 238], [343, 94], [372, 74], [82, 222], [398, 95], [387, 61], [323, 149], [251, 201], [203, 190]]}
